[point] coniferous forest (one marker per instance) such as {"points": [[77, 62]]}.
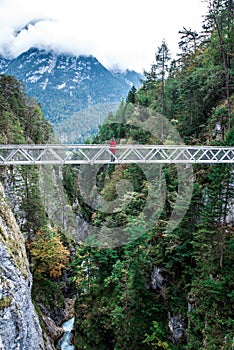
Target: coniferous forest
{"points": [[160, 289]]}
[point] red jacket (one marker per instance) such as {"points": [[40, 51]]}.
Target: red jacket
{"points": [[113, 146]]}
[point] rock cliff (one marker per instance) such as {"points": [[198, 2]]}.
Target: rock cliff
{"points": [[19, 324]]}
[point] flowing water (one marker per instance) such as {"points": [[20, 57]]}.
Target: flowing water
{"points": [[64, 342]]}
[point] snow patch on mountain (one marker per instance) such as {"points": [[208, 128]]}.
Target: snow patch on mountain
{"points": [[61, 86]]}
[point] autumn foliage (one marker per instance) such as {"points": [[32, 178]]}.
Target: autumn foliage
{"points": [[49, 256]]}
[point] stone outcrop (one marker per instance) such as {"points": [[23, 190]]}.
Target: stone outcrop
{"points": [[177, 327], [19, 324], [53, 331], [157, 278]]}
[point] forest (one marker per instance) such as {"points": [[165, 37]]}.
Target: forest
{"points": [[159, 289], [169, 290]]}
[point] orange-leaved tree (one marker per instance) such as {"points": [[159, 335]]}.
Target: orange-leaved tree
{"points": [[48, 253]]}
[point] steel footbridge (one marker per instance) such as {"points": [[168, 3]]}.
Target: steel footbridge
{"points": [[35, 154]]}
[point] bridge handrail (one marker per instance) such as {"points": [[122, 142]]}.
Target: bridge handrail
{"points": [[118, 146]]}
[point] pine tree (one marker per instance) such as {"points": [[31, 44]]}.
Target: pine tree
{"points": [[220, 19], [131, 98]]}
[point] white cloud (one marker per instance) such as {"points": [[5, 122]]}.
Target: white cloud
{"points": [[126, 32]]}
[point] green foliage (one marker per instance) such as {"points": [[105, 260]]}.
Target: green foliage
{"points": [[155, 339], [230, 138], [47, 292], [21, 119], [70, 181], [131, 98], [112, 301], [210, 315], [118, 306], [10, 130], [5, 302], [32, 206]]}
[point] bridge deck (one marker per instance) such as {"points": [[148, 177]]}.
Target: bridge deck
{"points": [[28, 154]]}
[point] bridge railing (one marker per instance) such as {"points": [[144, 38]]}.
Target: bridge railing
{"points": [[28, 154]]}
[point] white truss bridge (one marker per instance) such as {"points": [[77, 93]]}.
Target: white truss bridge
{"points": [[32, 154]]}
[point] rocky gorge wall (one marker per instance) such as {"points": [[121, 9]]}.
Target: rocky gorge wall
{"points": [[19, 324]]}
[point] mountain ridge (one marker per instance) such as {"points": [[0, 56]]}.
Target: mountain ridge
{"points": [[65, 85]]}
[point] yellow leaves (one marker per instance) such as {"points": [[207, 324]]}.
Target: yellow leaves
{"points": [[48, 253]]}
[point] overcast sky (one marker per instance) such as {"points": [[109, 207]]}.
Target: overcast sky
{"points": [[122, 32]]}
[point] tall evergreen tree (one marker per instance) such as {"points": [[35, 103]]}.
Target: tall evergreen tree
{"points": [[131, 98], [220, 19]]}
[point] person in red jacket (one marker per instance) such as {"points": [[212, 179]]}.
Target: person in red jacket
{"points": [[113, 148]]}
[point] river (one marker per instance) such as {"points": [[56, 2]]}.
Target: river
{"points": [[64, 342]]}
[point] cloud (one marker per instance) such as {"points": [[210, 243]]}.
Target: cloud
{"points": [[123, 32]]}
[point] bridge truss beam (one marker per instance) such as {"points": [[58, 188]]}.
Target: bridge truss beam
{"points": [[28, 154]]}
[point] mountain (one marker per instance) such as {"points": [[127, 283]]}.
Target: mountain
{"points": [[3, 63], [65, 85], [130, 76]]}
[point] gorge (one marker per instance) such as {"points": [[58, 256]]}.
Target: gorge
{"points": [[103, 255]]}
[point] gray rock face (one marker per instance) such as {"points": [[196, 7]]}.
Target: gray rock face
{"points": [[177, 327], [14, 188], [19, 324], [156, 278]]}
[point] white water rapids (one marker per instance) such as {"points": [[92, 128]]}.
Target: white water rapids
{"points": [[64, 342]]}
